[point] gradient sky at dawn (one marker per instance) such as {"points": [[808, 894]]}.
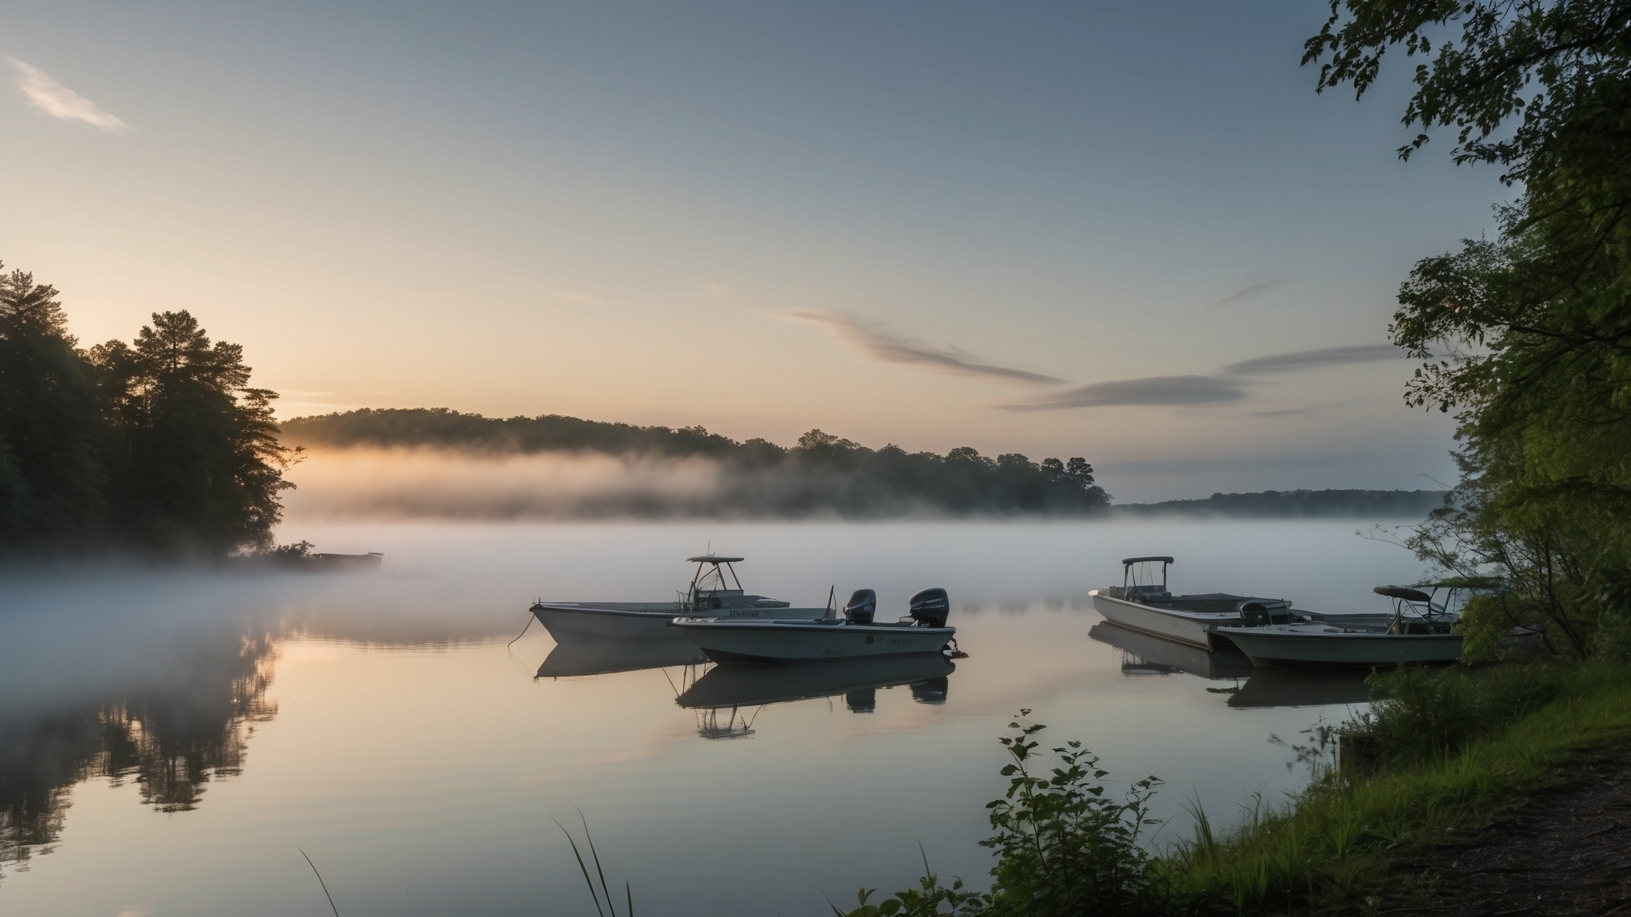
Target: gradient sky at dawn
{"points": [[1126, 231]]}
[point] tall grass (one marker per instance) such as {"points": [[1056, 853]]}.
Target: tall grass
{"points": [[604, 892]]}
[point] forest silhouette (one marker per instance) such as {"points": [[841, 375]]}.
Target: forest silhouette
{"points": [[822, 474], [159, 445]]}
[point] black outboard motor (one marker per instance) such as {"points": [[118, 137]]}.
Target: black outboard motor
{"points": [[931, 607], [862, 604], [1254, 614]]}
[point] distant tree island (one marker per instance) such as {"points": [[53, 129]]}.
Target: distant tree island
{"points": [[821, 474]]}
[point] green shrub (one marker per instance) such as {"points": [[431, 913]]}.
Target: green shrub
{"points": [[1421, 713], [1064, 847]]}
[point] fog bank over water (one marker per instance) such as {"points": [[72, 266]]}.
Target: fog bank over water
{"points": [[400, 483], [427, 483], [431, 483]]}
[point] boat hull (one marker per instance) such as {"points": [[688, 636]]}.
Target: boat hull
{"points": [[640, 621], [1191, 628], [769, 641], [1293, 649]]}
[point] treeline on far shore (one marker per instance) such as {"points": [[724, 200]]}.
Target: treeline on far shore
{"points": [[821, 474], [1294, 504]]}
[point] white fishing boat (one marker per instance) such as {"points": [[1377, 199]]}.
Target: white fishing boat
{"points": [[715, 592], [1417, 631], [854, 634], [1144, 605]]}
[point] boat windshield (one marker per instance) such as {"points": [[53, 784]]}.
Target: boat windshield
{"points": [[714, 575], [1415, 611], [1138, 577]]}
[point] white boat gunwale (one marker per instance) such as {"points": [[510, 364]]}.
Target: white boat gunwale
{"points": [[714, 591], [1152, 609], [1418, 631]]}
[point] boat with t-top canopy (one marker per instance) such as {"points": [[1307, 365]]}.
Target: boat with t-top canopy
{"points": [[1142, 604], [715, 592]]}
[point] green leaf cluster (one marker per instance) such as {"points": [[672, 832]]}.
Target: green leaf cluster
{"points": [[1064, 846], [1527, 336]]}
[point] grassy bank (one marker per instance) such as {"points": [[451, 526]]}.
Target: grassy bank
{"points": [[1443, 752], [1434, 777]]}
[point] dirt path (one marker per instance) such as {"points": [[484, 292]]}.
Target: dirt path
{"points": [[1566, 853]]}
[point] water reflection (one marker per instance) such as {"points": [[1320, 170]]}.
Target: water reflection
{"points": [[169, 737], [857, 679], [1147, 655], [1265, 687], [158, 680], [603, 657], [1271, 687]]}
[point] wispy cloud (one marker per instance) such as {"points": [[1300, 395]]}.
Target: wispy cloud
{"points": [[1314, 359], [872, 340], [1288, 412], [59, 101], [1248, 292], [1154, 390]]}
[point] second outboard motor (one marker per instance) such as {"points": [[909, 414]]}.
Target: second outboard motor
{"points": [[1254, 614], [931, 607], [862, 604]]}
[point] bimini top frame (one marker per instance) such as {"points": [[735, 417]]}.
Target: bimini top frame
{"points": [[1129, 582], [714, 574]]}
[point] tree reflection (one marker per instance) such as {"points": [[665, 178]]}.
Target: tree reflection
{"points": [[170, 738]]}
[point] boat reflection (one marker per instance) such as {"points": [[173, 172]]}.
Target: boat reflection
{"points": [[1274, 687], [588, 656], [1147, 655], [857, 679]]}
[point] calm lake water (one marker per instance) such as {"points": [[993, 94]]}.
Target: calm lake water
{"points": [[170, 742]]}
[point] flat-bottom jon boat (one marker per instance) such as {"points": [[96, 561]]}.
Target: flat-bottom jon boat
{"points": [[855, 634], [715, 592], [1416, 632], [1190, 619]]}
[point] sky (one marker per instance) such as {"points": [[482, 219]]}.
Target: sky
{"points": [[1131, 232]]}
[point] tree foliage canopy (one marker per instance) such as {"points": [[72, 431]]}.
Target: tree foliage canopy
{"points": [[1527, 336], [160, 443]]}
